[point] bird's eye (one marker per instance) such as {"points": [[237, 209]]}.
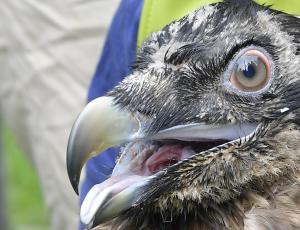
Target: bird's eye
{"points": [[251, 72]]}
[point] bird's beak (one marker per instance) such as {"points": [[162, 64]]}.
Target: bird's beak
{"points": [[102, 124], [99, 126]]}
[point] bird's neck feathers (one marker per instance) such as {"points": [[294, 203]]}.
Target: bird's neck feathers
{"points": [[234, 189], [277, 209], [262, 197]]}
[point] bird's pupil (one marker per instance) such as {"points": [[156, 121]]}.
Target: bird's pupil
{"points": [[249, 72]]}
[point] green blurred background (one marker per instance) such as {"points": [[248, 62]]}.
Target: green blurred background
{"points": [[26, 209]]}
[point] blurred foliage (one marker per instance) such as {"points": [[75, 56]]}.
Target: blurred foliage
{"points": [[26, 206]]}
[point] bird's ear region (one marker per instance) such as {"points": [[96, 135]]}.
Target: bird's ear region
{"points": [[291, 25]]}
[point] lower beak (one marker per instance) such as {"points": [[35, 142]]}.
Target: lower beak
{"points": [[99, 126], [102, 124]]}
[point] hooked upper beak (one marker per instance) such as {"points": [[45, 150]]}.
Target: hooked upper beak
{"points": [[99, 126], [102, 124]]}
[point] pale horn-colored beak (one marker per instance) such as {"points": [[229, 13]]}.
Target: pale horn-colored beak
{"points": [[99, 126]]}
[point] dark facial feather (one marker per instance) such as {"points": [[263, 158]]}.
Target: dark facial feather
{"points": [[177, 80]]}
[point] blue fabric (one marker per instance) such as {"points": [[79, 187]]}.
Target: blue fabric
{"points": [[118, 55]]}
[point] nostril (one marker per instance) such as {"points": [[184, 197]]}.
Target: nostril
{"points": [[144, 112]]}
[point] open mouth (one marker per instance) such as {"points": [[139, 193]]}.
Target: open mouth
{"points": [[147, 158], [141, 160], [103, 124]]}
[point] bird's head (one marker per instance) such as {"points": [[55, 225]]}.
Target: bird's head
{"points": [[210, 112]]}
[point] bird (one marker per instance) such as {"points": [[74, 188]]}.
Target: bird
{"points": [[208, 123]]}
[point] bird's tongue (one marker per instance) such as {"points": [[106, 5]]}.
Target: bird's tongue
{"points": [[119, 192], [165, 156], [106, 200]]}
